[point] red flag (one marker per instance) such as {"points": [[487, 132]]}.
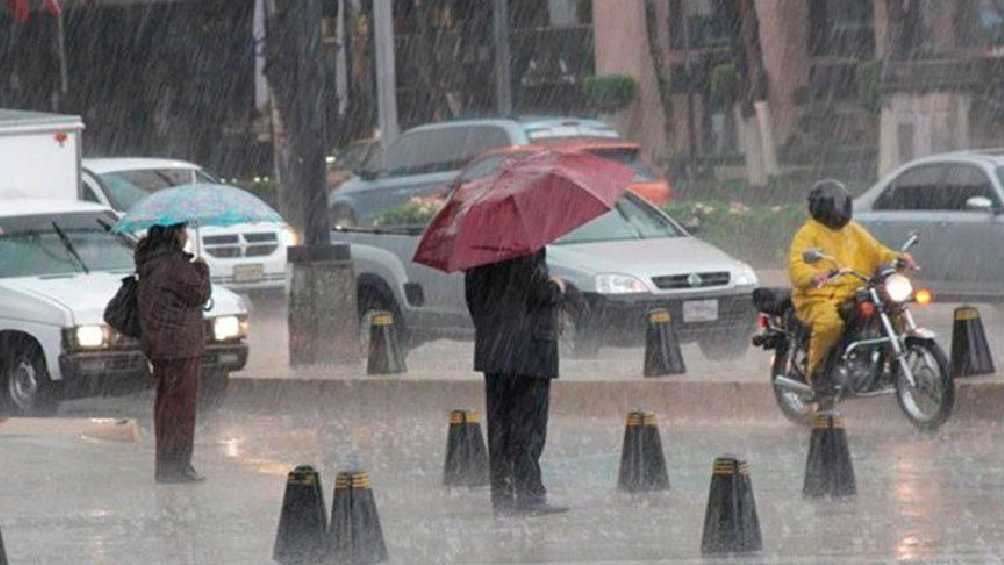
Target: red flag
{"points": [[19, 9], [52, 6]]}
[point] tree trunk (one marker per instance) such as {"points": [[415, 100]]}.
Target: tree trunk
{"points": [[756, 140], [661, 71]]}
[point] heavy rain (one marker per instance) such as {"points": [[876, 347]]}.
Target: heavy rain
{"points": [[501, 281]]}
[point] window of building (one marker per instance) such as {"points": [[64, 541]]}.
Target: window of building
{"points": [[709, 24], [842, 28]]}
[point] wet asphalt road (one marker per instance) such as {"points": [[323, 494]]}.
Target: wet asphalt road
{"points": [[932, 498]]}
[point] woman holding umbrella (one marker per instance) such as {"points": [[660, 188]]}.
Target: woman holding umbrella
{"points": [[496, 231], [172, 291]]}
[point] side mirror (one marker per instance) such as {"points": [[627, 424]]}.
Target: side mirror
{"points": [[812, 256], [979, 203]]}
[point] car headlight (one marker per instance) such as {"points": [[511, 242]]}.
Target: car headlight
{"points": [[746, 277], [289, 237], [228, 328], [899, 288], [613, 283], [92, 337]]}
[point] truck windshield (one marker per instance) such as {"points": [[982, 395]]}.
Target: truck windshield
{"points": [[126, 188], [30, 246], [628, 220]]}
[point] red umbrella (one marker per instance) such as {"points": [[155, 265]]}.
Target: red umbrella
{"points": [[526, 204]]}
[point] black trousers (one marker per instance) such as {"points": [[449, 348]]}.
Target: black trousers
{"points": [[174, 413], [517, 429]]}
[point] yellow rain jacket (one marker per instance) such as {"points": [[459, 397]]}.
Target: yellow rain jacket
{"points": [[853, 247]]}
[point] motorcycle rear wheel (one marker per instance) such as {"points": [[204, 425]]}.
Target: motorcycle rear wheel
{"points": [[792, 405], [930, 403]]}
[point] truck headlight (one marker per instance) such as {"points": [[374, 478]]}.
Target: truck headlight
{"points": [[289, 237], [746, 276], [613, 283], [228, 328], [91, 337]]}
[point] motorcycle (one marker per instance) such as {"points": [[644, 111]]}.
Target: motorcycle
{"points": [[882, 350]]}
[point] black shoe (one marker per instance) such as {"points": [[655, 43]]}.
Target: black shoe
{"points": [[504, 506], [189, 475], [538, 508]]}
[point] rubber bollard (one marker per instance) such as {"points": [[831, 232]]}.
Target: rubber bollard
{"points": [[643, 464], [355, 536], [303, 520], [662, 348], [466, 454], [731, 524], [385, 355], [828, 467], [3, 552], [970, 350]]}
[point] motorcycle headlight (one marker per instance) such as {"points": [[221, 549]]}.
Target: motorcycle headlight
{"points": [[899, 288], [612, 283], [91, 337], [289, 237], [228, 328]]}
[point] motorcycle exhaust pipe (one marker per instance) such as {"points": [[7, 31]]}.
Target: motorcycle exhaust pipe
{"points": [[792, 385]]}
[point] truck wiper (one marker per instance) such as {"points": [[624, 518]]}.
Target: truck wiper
{"points": [[69, 247]]}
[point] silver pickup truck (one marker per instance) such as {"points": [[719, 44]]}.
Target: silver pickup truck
{"points": [[619, 266]]}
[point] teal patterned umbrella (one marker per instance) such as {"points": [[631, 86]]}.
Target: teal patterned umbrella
{"points": [[203, 205]]}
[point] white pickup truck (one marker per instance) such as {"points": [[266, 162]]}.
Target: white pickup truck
{"points": [[59, 267]]}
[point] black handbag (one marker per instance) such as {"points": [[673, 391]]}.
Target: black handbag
{"points": [[122, 311]]}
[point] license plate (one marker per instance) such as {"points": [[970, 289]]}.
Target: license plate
{"points": [[700, 311], [248, 273]]}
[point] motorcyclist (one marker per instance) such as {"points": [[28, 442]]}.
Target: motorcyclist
{"points": [[815, 297]]}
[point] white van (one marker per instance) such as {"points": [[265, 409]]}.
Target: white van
{"points": [[244, 257]]}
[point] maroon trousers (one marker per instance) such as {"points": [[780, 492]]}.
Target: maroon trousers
{"points": [[174, 413]]}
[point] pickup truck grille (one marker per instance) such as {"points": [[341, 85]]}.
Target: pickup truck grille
{"points": [[703, 280], [237, 246]]}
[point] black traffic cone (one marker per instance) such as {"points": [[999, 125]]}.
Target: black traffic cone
{"points": [[970, 351], [385, 355], [3, 552], [303, 521], [466, 455], [662, 349], [828, 467], [731, 524], [643, 465], [355, 536]]}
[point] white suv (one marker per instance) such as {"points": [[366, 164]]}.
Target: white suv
{"points": [[244, 257]]}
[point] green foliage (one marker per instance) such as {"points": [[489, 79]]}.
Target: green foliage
{"points": [[417, 213], [610, 92], [759, 235], [869, 78], [724, 85]]}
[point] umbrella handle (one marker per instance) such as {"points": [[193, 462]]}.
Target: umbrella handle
{"points": [[198, 241]]}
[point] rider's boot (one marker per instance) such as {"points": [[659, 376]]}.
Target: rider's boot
{"points": [[824, 391]]}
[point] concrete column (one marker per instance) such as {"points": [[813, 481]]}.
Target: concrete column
{"points": [[383, 16], [323, 310]]}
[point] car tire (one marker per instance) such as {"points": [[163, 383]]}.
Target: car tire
{"points": [[27, 389], [726, 346], [213, 387], [343, 217], [372, 301]]}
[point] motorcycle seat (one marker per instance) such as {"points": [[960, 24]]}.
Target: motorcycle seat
{"points": [[774, 301]]}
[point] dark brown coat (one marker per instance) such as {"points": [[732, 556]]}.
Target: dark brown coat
{"points": [[172, 291]]}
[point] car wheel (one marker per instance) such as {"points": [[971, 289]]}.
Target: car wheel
{"points": [[213, 389], [343, 217], [27, 388], [371, 302], [724, 346]]}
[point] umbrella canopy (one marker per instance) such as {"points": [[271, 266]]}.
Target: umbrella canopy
{"points": [[526, 204], [201, 204]]}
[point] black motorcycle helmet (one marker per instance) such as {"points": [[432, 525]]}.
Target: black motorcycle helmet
{"points": [[830, 204]]}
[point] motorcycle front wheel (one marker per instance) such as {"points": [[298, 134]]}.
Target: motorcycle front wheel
{"points": [[789, 362], [930, 401]]}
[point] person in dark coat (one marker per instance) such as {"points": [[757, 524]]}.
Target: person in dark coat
{"points": [[172, 291], [515, 305]]}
